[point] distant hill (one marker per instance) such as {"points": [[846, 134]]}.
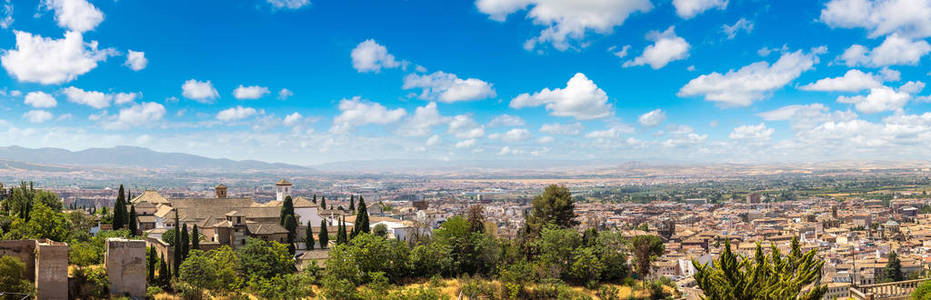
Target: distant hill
{"points": [[133, 157]]}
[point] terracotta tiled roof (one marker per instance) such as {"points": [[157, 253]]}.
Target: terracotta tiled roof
{"points": [[150, 196]]}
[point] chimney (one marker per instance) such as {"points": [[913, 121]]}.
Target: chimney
{"points": [[221, 191]]}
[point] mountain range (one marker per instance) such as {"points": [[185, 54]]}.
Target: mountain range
{"points": [[132, 157]]}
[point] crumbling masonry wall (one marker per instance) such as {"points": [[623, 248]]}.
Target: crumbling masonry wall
{"points": [[46, 265], [126, 267]]}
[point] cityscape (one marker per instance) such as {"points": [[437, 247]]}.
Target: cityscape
{"points": [[465, 149]]}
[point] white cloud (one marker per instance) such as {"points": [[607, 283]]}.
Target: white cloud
{"points": [[562, 129], [580, 99], [732, 30], [288, 4], [894, 50], [754, 134], [466, 143], [357, 112], [464, 127], [448, 88], [423, 120], [619, 53], [93, 99], [566, 20], [7, 20], [506, 120], [879, 99], [37, 116], [250, 92], [432, 141], [546, 140], [666, 47], [752, 82], [138, 115], [852, 81], [909, 18], [369, 56], [507, 150], [123, 98], [236, 113], [40, 100], [684, 140], [49, 61], [136, 60], [687, 9], [284, 94], [200, 91], [75, 15], [652, 118], [610, 133], [513, 135], [890, 74], [292, 119]]}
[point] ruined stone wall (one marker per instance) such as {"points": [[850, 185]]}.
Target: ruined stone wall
{"points": [[25, 250], [126, 267], [51, 270]]}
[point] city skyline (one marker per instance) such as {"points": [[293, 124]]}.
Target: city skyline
{"points": [[314, 82]]}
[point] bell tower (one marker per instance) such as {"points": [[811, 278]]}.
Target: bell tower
{"points": [[221, 191], [283, 190]]}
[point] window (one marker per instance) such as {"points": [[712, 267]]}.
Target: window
{"points": [[243, 241]]}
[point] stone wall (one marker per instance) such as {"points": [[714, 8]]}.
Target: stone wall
{"points": [[51, 270], [25, 250], [126, 267]]}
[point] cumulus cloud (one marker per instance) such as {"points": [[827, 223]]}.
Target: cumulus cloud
{"points": [[754, 134], [513, 135], [250, 92], [49, 61], [687, 9], [288, 4], [469, 143], [75, 15], [136, 60], [732, 30], [546, 140], [878, 100], [448, 88], [97, 99], [565, 20], [908, 18], [236, 113], [432, 141], [369, 56], [752, 82], [507, 150], [200, 91], [292, 119], [137, 115], [580, 99], [652, 118], [610, 133], [666, 47], [37, 116], [357, 112], [506, 120], [894, 50], [852, 81], [562, 129], [40, 100], [464, 127], [423, 120], [284, 94]]}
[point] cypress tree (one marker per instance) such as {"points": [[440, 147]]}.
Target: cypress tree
{"points": [[362, 218], [324, 236], [177, 250], [352, 203], [291, 225], [119, 219], [309, 237], [342, 238], [185, 242], [287, 209], [315, 199], [150, 263], [163, 274], [133, 223], [195, 239], [893, 270], [323, 202]]}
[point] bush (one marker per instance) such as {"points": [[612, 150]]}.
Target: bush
{"points": [[923, 292], [92, 282], [11, 276], [608, 293], [477, 288], [151, 291]]}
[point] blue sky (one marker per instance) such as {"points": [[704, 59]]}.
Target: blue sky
{"points": [[318, 81]]}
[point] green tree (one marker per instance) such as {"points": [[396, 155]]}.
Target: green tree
{"points": [[264, 258], [12, 271], [315, 199], [893, 270], [120, 217], [45, 223], [291, 225], [474, 253], [215, 270], [476, 217], [150, 265], [133, 223], [923, 292], [352, 203], [287, 209], [380, 230], [341, 237], [761, 277], [362, 219], [554, 206], [324, 237], [185, 242], [322, 202], [177, 245], [309, 237], [195, 239], [164, 275], [645, 249]]}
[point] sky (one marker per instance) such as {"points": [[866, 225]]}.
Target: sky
{"points": [[316, 81]]}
